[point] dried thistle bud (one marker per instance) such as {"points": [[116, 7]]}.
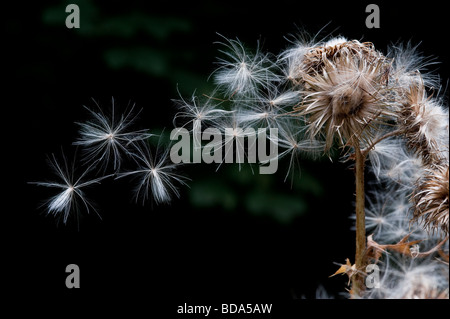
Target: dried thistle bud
{"points": [[344, 88], [315, 60], [425, 125], [431, 199]]}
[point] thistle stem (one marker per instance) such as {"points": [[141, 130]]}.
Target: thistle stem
{"points": [[358, 278]]}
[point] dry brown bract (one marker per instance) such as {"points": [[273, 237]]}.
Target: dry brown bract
{"points": [[315, 59], [421, 121], [431, 199], [347, 269]]}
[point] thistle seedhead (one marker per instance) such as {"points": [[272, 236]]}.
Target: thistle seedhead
{"points": [[344, 91], [338, 49], [425, 125], [431, 199]]}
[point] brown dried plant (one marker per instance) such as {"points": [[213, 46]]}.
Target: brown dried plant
{"points": [[420, 119], [431, 199]]}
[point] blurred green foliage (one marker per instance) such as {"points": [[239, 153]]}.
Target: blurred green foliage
{"points": [[260, 195], [148, 46], [95, 23]]}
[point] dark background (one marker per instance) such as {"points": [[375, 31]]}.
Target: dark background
{"points": [[231, 235]]}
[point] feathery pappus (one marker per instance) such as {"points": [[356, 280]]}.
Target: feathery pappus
{"points": [[106, 138], [71, 198], [156, 176]]}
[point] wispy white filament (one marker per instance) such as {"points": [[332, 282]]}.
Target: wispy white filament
{"points": [[70, 186], [241, 73], [155, 175], [104, 138]]}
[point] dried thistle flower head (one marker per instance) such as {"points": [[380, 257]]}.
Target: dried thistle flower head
{"points": [[339, 49], [343, 87], [425, 125], [431, 199]]}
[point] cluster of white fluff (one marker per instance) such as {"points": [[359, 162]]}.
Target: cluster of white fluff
{"points": [[252, 91], [317, 94], [107, 140], [262, 90], [388, 219]]}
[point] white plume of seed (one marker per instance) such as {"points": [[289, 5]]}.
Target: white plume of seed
{"points": [[240, 73], [409, 278], [291, 140], [206, 111], [407, 61], [106, 138], [155, 174], [71, 197]]}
